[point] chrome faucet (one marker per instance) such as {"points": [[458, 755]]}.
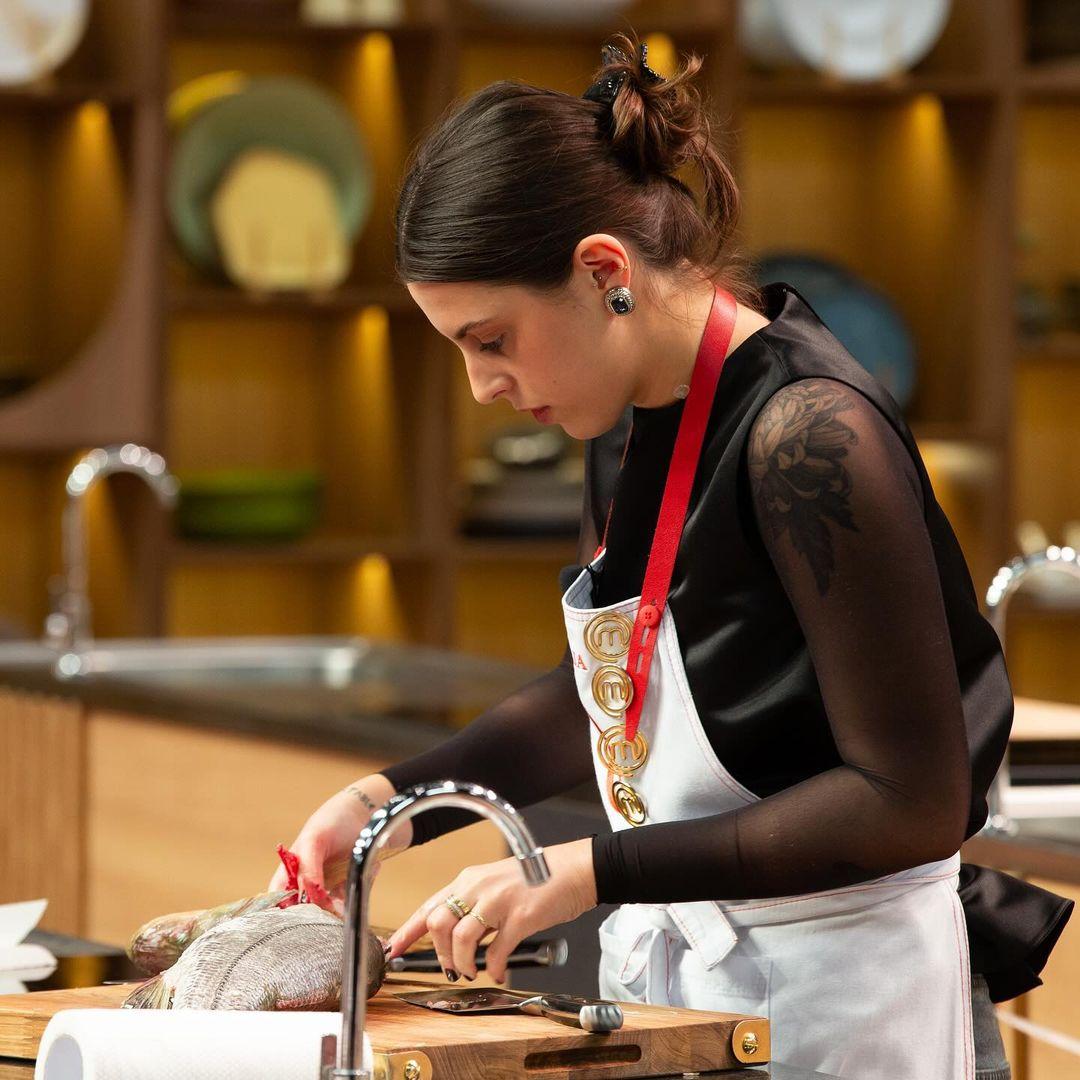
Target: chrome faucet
{"points": [[67, 627], [1007, 581], [348, 1052]]}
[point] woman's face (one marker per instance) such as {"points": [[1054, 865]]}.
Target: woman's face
{"points": [[564, 357]]}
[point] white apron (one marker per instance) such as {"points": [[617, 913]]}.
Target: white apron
{"points": [[870, 981]]}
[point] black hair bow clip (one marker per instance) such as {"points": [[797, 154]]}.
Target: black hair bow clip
{"points": [[607, 86]]}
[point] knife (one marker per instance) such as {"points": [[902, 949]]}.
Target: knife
{"points": [[540, 952], [589, 1014]]}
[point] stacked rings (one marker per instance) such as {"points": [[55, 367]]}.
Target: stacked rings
{"points": [[457, 906]]}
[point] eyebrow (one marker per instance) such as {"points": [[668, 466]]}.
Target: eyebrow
{"points": [[472, 325]]}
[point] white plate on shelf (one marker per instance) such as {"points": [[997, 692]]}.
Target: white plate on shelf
{"points": [[859, 40], [37, 36]]}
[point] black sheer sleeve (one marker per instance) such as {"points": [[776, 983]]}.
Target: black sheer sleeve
{"points": [[838, 505], [531, 745]]}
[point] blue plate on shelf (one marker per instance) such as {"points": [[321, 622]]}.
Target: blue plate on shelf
{"points": [[863, 319]]}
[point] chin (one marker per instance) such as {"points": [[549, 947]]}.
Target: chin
{"points": [[580, 429], [591, 427]]}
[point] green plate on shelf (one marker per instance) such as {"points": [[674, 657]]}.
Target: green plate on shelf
{"points": [[281, 112], [249, 504]]}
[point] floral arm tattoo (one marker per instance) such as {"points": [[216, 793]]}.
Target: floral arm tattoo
{"points": [[796, 458]]}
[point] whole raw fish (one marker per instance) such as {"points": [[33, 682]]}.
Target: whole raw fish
{"points": [[280, 958], [158, 944]]}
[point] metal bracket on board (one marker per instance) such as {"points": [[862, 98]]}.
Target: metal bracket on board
{"points": [[750, 1041], [398, 1065], [403, 1065]]}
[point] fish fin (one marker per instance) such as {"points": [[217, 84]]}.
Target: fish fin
{"points": [[155, 993]]}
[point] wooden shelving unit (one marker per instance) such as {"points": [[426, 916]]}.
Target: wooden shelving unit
{"points": [[912, 182]]}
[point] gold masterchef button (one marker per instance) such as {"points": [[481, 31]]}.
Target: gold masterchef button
{"points": [[627, 801], [621, 755], [607, 636], [612, 689]]}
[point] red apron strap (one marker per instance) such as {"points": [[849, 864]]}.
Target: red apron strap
{"points": [[680, 479]]}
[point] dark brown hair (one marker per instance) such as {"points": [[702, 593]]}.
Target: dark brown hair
{"points": [[511, 179]]}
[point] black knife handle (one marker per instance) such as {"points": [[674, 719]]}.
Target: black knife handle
{"points": [[544, 952]]}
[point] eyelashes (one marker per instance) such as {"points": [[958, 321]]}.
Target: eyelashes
{"points": [[492, 346]]}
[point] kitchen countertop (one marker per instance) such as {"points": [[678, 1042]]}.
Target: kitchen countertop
{"points": [[398, 702], [1037, 720], [1041, 847]]}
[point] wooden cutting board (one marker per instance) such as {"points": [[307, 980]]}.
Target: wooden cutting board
{"points": [[653, 1041]]}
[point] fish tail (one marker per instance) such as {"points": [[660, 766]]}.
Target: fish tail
{"points": [[152, 994]]}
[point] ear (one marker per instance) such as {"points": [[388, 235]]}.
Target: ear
{"points": [[602, 259]]}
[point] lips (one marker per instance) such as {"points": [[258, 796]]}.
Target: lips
{"points": [[543, 415]]}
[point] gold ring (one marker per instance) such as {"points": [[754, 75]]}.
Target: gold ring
{"points": [[480, 918], [457, 906]]}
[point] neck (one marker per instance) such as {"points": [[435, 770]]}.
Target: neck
{"points": [[671, 339]]}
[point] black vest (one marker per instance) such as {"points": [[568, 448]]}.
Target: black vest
{"points": [[746, 659]]}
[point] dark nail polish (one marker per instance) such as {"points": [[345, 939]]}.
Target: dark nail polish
{"points": [[471, 978], [451, 974]]}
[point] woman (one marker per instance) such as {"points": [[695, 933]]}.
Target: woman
{"points": [[776, 667]]}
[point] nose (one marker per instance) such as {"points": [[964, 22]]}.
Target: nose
{"points": [[485, 381]]}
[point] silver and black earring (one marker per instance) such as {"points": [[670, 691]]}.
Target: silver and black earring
{"points": [[619, 300]]}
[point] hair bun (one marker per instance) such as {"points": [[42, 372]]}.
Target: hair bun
{"points": [[655, 124]]}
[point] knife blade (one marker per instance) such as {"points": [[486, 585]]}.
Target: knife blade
{"points": [[589, 1014]]}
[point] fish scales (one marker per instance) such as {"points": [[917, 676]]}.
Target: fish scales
{"points": [[278, 959]]}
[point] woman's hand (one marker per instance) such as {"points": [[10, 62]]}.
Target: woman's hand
{"points": [[499, 892], [324, 845]]}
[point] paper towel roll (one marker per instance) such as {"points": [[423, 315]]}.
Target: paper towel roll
{"points": [[185, 1044]]}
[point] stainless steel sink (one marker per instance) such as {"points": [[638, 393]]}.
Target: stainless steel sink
{"points": [[294, 674]]}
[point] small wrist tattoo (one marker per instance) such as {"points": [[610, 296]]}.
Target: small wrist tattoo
{"points": [[362, 795]]}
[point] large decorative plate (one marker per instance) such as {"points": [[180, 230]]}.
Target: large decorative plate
{"points": [[282, 113], [861, 318], [37, 36], [859, 40]]}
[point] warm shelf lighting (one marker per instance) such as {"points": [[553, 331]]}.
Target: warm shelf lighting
{"points": [[371, 89], [85, 237], [93, 118], [365, 418], [924, 149], [375, 610]]}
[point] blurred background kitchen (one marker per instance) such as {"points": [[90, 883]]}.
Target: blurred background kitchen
{"points": [[196, 295]]}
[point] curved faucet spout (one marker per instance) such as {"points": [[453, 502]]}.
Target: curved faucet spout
{"points": [[68, 626], [406, 804]]}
